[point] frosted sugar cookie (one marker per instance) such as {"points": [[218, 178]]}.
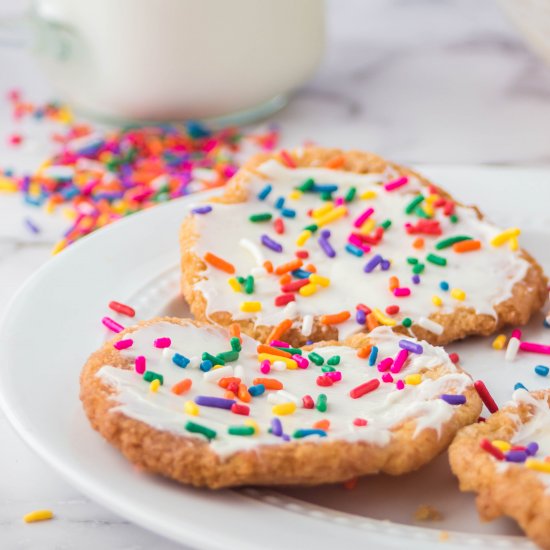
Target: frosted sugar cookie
{"points": [[322, 244], [506, 461], [194, 403]]}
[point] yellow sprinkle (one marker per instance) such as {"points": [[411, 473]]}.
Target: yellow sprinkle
{"points": [[513, 243], [37, 515], [191, 408], [217, 367], [368, 195], [254, 424], [367, 226], [505, 236], [154, 385], [413, 379], [303, 237], [538, 465], [251, 307], [383, 319], [430, 199], [295, 195], [458, 294], [290, 363], [59, 246], [34, 190], [50, 207], [319, 280], [234, 284], [502, 445], [105, 156], [499, 342], [332, 216], [322, 210], [429, 209], [437, 301], [284, 408], [308, 290], [7, 186]]}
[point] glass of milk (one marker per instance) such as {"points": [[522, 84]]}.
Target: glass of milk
{"points": [[229, 61]]}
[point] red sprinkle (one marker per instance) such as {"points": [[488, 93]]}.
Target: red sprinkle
{"points": [[365, 388], [287, 159], [392, 310], [237, 408], [284, 299], [324, 380], [294, 286], [308, 402], [454, 357], [279, 226], [122, 308], [359, 422], [486, 445], [485, 396], [302, 254]]}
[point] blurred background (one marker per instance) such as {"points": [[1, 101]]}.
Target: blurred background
{"points": [[419, 81]]}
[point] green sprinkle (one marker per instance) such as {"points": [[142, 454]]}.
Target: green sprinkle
{"points": [[195, 428], [437, 260], [407, 322], [240, 430], [421, 213], [149, 376], [453, 218], [409, 209], [386, 224], [235, 344], [263, 217], [412, 261], [350, 195], [240, 280], [313, 227], [445, 243], [326, 196], [334, 360], [215, 360], [321, 404], [292, 351], [316, 358], [307, 185], [249, 285], [227, 356], [328, 368], [418, 268]]}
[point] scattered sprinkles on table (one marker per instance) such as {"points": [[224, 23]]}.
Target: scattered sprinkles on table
{"points": [[97, 177]]}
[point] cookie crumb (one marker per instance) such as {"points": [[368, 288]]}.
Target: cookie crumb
{"points": [[444, 536], [425, 512]]}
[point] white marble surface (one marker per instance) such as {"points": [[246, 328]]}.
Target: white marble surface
{"points": [[429, 81]]}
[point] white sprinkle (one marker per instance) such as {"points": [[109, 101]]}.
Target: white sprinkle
{"points": [[430, 325], [287, 396], [258, 272], [58, 172], [273, 398], [159, 182], [307, 325], [215, 375], [248, 245], [278, 365], [512, 349], [85, 142], [238, 372], [194, 362], [291, 310]]}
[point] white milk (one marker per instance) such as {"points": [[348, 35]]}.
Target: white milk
{"points": [[175, 59]]}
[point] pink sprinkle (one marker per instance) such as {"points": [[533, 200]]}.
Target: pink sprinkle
{"points": [[140, 364], [356, 240], [385, 364], [265, 366], [395, 184], [335, 375], [387, 377], [162, 343], [400, 292], [339, 201], [400, 360], [112, 325], [279, 344], [360, 220], [359, 422], [516, 333], [534, 347], [400, 384], [124, 344], [301, 361]]}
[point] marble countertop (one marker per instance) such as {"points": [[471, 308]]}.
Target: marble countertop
{"points": [[420, 81]]}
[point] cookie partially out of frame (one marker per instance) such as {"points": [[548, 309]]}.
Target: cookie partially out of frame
{"points": [[375, 243], [380, 403], [506, 461]]}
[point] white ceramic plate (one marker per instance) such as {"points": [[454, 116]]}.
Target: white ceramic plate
{"points": [[54, 323]]}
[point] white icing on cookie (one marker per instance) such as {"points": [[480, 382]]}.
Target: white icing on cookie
{"points": [[384, 408], [487, 276]]}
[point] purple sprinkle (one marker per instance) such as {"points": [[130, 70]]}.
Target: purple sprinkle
{"points": [[532, 448], [327, 248], [454, 399], [361, 317], [325, 233], [309, 342], [516, 456], [286, 437], [372, 263], [411, 346], [276, 427], [202, 209], [270, 243], [217, 402], [385, 265], [32, 226], [416, 279]]}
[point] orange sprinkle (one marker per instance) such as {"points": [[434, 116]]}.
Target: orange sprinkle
{"points": [[285, 279], [264, 348], [268, 266], [323, 424], [335, 162], [182, 386], [418, 243], [364, 352], [287, 159], [279, 330], [243, 394], [235, 331], [311, 268], [226, 380], [269, 383], [372, 322], [219, 263], [394, 282], [335, 318], [229, 394], [351, 484], [466, 246], [289, 266]]}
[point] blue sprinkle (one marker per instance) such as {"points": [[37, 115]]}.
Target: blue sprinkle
{"points": [[262, 195], [373, 355], [288, 213], [298, 434], [444, 285], [206, 365], [202, 210], [256, 390], [300, 273], [546, 323], [519, 386], [197, 130], [180, 360], [355, 250], [541, 370], [416, 279], [324, 188], [361, 317], [279, 203]]}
